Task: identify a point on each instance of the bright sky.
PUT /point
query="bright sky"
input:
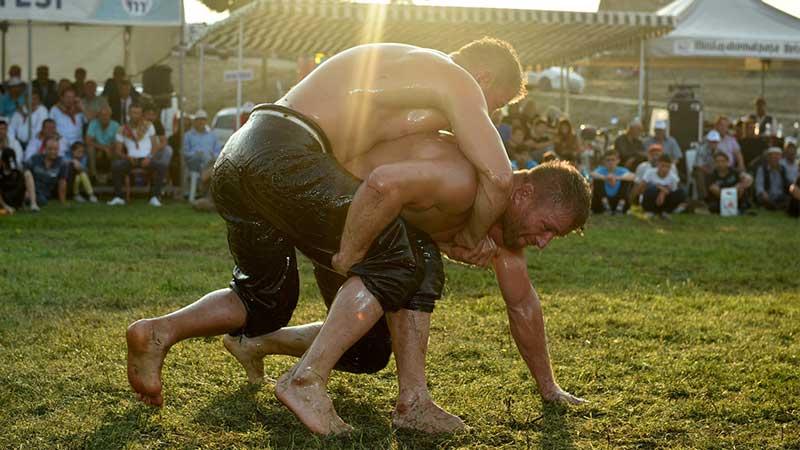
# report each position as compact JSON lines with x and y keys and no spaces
{"x":197,"y":12}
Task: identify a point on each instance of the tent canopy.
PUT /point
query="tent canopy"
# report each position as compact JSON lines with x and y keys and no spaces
{"x":91,"y":34}
{"x":541,"y":37}
{"x":729,"y":28}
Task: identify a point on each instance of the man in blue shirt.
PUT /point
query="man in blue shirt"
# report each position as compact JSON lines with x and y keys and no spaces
{"x":100,"y":139}
{"x":13,"y":98}
{"x":612,"y":184}
{"x":46,"y":175}
{"x":200,"y":145}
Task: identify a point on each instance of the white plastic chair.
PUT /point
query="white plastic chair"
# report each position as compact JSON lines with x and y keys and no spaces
{"x":690,"y":156}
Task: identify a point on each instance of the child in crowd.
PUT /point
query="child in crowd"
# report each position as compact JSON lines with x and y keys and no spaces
{"x":611,"y":186}
{"x":80,"y":178}
{"x":662,"y":195}
{"x":724,"y":176}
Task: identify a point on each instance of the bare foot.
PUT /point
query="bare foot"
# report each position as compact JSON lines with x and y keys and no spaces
{"x":146,"y":352}
{"x":304,"y":394}
{"x":249,"y":355}
{"x":422,"y":414}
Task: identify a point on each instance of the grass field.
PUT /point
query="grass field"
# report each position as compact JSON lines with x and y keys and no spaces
{"x":682,"y":335}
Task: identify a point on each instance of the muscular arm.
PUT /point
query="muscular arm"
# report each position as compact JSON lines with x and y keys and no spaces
{"x":381,"y":198}
{"x":527,"y":323}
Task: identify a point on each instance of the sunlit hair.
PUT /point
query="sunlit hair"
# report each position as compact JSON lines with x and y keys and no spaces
{"x":562,"y":186}
{"x":497,"y":56}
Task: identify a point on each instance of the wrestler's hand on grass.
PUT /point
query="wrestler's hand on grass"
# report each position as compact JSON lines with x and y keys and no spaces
{"x":555,"y":394}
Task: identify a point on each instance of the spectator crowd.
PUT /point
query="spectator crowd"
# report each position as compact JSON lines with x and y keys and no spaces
{"x":69,"y":137}
{"x":749,"y":162}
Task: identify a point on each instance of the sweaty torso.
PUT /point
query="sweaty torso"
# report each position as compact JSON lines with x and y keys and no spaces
{"x":371,"y":94}
{"x":454,"y":190}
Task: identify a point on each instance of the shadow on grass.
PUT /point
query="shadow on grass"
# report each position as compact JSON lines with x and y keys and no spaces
{"x":123,"y":427}
{"x":556,"y":432}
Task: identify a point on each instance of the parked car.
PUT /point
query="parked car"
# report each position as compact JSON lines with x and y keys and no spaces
{"x":550,"y":78}
{"x":224,"y":120}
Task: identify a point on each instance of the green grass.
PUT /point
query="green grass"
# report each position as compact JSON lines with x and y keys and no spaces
{"x":682,"y":335}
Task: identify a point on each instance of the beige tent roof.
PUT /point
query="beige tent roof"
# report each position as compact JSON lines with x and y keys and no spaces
{"x":541,"y":37}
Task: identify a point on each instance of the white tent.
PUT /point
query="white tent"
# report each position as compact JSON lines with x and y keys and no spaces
{"x":728,"y":29}
{"x":94,"y":34}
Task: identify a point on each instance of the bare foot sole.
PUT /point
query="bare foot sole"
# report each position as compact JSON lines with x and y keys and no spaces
{"x":426,"y":416}
{"x":146,"y":353}
{"x":305,"y":396}
{"x":248,"y":355}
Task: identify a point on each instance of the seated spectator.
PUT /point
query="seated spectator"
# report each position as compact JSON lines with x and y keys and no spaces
{"x":101,"y":137}
{"x":13,"y":99}
{"x":762,"y":118}
{"x":80,"y":82}
{"x":21,"y":120}
{"x":46,"y":175}
{"x":47,"y":89}
{"x":728,"y":143}
{"x":134,"y":143}
{"x":36,"y":146}
{"x":12,"y":183}
{"x":662,"y":194}
{"x":161,"y":152}
{"x":90,"y":103}
{"x":503,"y":126}
{"x":772,"y":181}
{"x":704,"y":163}
{"x":611,"y":186}
{"x":200,"y":145}
{"x":667,"y":143}
{"x":540,"y":140}
{"x":630,"y":147}
{"x":77,"y":173}
{"x":567,"y":144}
{"x":8,"y":142}
{"x":789,"y":160}
{"x":518,"y":150}
{"x":66,"y":113}
{"x":654,"y":153}
{"x":722,"y":177}
{"x":121,"y":103}
{"x":794,"y":202}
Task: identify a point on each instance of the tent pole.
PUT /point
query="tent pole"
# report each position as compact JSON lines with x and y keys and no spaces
{"x":181,"y":113}
{"x":561,"y":82}
{"x":4,"y":29}
{"x":200,"y":76}
{"x":30,"y":78}
{"x":763,"y":74}
{"x":642,"y":69}
{"x":239,"y":78}
{"x":566,"y":91}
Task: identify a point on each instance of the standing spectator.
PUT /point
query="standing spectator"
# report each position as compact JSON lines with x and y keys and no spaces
{"x":90,"y":103}
{"x":121,"y":103}
{"x":704,"y":163}
{"x":9,"y":142}
{"x":77,"y":172}
{"x":728,"y":143}
{"x":772,"y":182}
{"x":611,"y":186}
{"x":540,"y":139}
{"x":69,"y":120}
{"x":630,"y":147}
{"x":22,"y":120}
{"x":135,"y":141}
{"x":752,"y":146}
{"x":200,"y":145}
{"x":100,"y":140}
{"x":36,"y":146}
{"x":111,"y":88}
{"x":12,"y":183}
{"x":567,"y":144}
{"x":48,"y":92}
{"x":789,"y":160}
{"x":662,"y":194}
{"x":762,"y":118}
{"x":46,"y":175}
{"x":13,"y":99}
{"x":667,"y":143}
{"x":80,"y":81}
{"x":161,"y":152}
{"x":723,"y":176}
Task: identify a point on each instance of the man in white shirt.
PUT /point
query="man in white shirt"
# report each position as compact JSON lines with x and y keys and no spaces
{"x":22,"y":119}
{"x":69,"y":119}
{"x":134,"y":144}
{"x":662,"y":195}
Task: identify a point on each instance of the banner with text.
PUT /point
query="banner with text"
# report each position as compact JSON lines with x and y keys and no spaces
{"x":738,"y":48}
{"x":108,"y":12}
